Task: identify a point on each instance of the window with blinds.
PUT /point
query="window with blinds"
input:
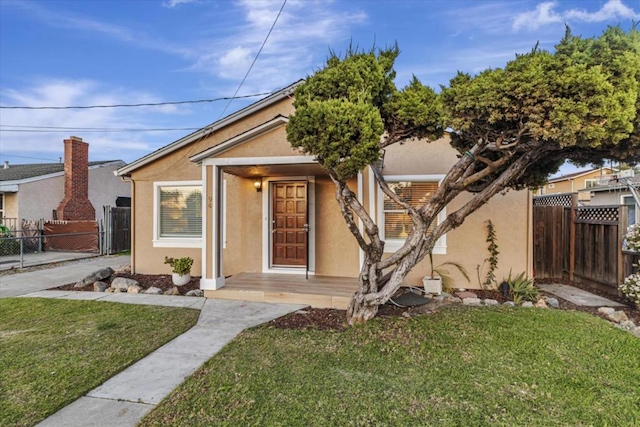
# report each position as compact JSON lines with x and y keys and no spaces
{"x":180,"y":211}
{"x":397,"y":223}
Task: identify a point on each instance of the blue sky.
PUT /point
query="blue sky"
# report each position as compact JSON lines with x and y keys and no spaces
{"x":67,"y":53}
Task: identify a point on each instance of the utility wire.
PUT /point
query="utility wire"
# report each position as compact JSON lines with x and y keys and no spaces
{"x":94,"y":130}
{"x":151,"y":104}
{"x":81,"y":128}
{"x":254,"y":59}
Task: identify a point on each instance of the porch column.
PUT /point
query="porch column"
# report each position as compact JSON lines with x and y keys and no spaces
{"x":212,"y":255}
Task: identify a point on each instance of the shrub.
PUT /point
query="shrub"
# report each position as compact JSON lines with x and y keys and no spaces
{"x":180,"y":266}
{"x":632,"y":238}
{"x":631,"y":287}
{"x":522,"y":288}
{"x":9,"y":247}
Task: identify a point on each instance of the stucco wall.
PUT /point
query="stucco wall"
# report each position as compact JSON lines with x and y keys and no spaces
{"x":38,"y":199}
{"x":11,"y":205}
{"x":105,"y":187}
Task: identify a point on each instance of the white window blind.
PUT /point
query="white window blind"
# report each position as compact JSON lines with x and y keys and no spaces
{"x":180,"y":211}
{"x":397,"y":223}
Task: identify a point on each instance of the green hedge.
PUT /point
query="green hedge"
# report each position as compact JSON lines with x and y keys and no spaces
{"x":9,"y":247}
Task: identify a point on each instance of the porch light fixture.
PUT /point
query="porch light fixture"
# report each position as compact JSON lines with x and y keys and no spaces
{"x":257,"y":184}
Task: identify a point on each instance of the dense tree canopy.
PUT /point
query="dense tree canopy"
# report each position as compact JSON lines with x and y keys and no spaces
{"x":511,"y":126}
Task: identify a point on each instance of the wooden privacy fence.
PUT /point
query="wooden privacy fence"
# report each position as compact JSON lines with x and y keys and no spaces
{"x":583,"y":244}
{"x":117,"y":229}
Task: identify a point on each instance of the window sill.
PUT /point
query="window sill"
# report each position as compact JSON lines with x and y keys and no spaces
{"x":178,"y":243}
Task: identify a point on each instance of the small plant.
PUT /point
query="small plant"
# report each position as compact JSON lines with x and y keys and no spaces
{"x":632,"y":238}
{"x":180,"y":266}
{"x":631,"y":287}
{"x":522,"y":288}
{"x":490,"y":278}
{"x":447,"y":280}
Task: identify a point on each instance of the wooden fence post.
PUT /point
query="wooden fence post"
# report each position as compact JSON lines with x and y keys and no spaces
{"x":572,"y":236}
{"x":623,"y":213}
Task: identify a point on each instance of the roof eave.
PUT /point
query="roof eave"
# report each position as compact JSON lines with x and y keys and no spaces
{"x":207,"y":130}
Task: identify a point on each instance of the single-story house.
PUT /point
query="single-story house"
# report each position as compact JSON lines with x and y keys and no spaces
{"x":261,"y":221}
{"x":37,"y":191}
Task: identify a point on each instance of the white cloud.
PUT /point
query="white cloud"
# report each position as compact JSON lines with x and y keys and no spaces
{"x":174,"y":3}
{"x":546,"y":14}
{"x":612,"y":10}
{"x":103,"y":145}
{"x":543,"y":15}
{"x":304,"y":30}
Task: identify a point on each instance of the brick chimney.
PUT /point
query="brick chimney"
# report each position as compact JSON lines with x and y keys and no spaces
{"x":76,"y":205}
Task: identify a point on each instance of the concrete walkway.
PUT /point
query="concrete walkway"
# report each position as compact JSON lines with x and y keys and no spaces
{"x":124,"y":399}
{"x":32,"y":281}
{"x":578,"y":296}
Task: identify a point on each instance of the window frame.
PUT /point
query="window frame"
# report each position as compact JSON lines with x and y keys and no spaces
{"x":595,"y":182}
{"x":173,"y":242}
{"x":392,"y":245}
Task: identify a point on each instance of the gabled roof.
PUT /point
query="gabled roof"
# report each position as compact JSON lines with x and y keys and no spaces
{"x":574,"y":175}
{"x":277,"y":121}
{"x":34,"y":171}
{"x":211,"y":128}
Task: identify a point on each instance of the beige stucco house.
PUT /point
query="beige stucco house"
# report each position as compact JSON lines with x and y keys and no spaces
{"x":237,"y":198}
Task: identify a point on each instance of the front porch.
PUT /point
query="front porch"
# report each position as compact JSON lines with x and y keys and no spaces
{"x":316,"y":291}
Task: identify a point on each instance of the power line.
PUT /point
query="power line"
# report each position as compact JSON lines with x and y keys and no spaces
{"x":81,"y":128}
{"x":150,"y":104}
{"x":44,"y":129}
{"x":27,"y":157}
{"x":254,"y":59}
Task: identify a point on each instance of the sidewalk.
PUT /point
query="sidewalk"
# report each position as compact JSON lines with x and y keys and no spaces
{"x":127,"y":397}
{"x":32,"y":281}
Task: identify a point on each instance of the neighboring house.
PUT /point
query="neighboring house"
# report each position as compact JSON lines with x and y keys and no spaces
{"x":576,"y":181}
{"x":37,"y":191}
{"x":614,"y":190}
{"x":237,"y":198}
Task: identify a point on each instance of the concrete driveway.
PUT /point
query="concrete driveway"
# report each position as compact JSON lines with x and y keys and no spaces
{"x":17,"y":284}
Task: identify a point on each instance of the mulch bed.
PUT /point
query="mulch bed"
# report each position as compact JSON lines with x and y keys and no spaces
{"x":331,"y":319}
{"x":162,"y":281}
{"x":335,"y":320}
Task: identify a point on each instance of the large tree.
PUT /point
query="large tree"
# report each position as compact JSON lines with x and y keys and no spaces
{"x":511,"y":128}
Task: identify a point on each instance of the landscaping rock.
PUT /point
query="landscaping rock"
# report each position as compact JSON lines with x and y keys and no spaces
{"x":552,"y":302}
{"x":108,"y":290}
{"x":527,"y":304}
{"x":509,"y":304}
{"x":617,"y":316}
{"x":636,"y":331}
{"x":445,"y":294}
{"x":471,"y":301}
{"x":465,"y":294}
{"x":121,"y":284}
{"x":153,"y":291}
{"x":540,"y":304}
{"x":453,"y":300}
{"x":103,"y":273}
{"x":628,"y":325}
{"x":195,"y":293}
{"x":172,"y":291}
{"x":134,"y":289}
{"x":606,"y":310}
{"x":489,"y":301}
{"x":100,"y":286}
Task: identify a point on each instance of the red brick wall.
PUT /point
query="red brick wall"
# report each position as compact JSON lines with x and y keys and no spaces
{"x":76,"y":205}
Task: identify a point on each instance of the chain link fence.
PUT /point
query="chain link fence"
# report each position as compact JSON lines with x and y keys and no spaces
{"x":27,"y":248}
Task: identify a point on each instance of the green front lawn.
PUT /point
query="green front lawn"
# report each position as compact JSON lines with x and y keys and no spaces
{"x":54,"y":351}
{"x":462,"y":366}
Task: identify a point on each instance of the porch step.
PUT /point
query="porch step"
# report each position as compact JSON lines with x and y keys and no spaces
{"x":313,"y":300}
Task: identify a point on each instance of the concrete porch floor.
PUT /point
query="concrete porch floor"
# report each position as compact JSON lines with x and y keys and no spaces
{"x":317,"y":291}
